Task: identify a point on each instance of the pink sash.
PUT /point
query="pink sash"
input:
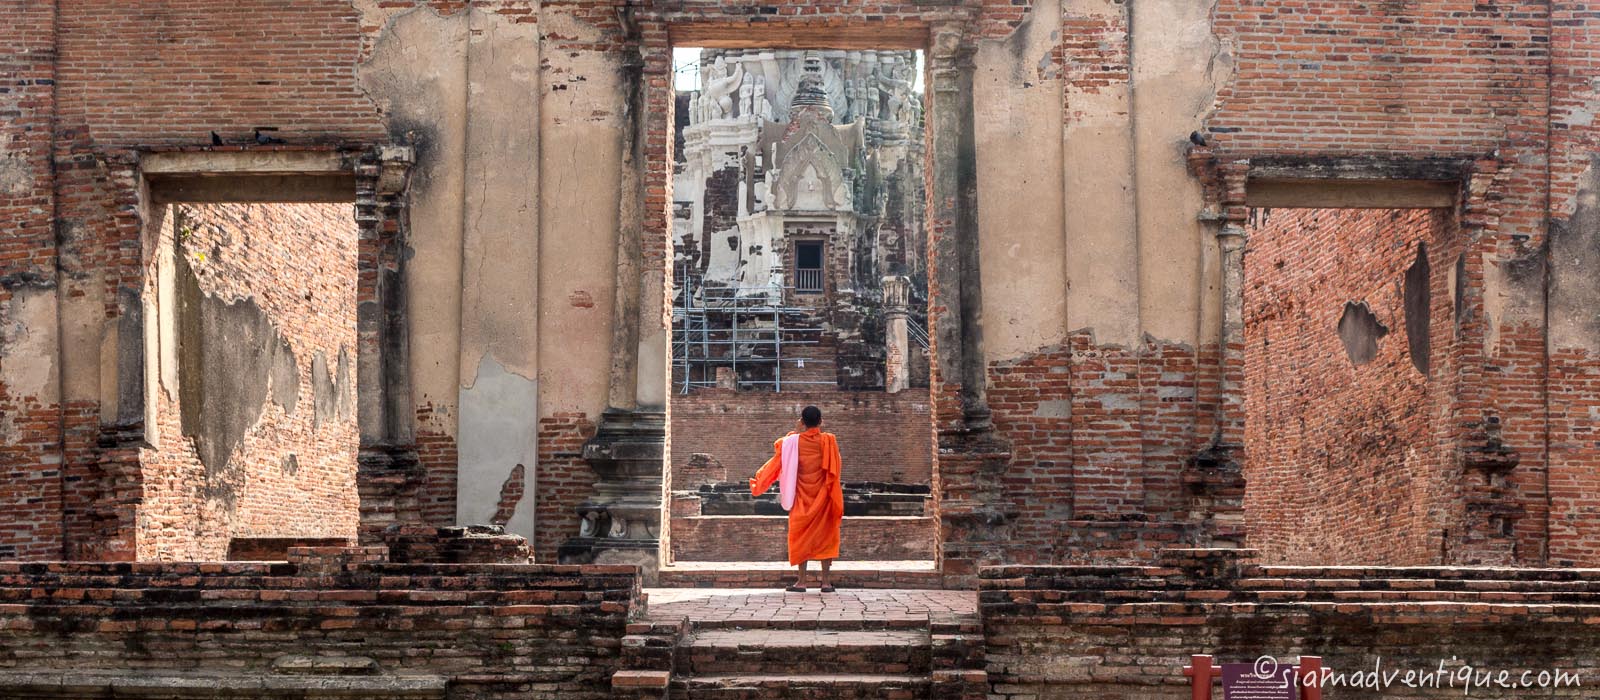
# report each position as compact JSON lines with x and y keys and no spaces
{"x":789,"y":470}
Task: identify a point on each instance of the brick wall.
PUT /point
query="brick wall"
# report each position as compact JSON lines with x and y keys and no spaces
{"x":1574,"y":370}
{"x":463,"y":631}
{"x":1124,"y":633}
{"x":882,"y":437}
{"x":436,"y":450}
{"x":1347,"y":462}
{"x":1100,"y":437}
{"x":30,"y":412}
{"x":564,"y":480}
{"x":1453,"y":77}
{"x":291,"y":65}
{"x":255,"y":431}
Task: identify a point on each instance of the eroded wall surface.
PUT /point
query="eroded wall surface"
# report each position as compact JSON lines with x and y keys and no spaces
{"x":516,"y":116}
{"x":1101,"y":281}
{"x":30,"y":399}
{"x":255,"y":432}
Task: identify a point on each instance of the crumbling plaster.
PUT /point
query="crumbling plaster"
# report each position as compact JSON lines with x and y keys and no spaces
{"x":28,"y":345}
{"x":1062,"y":246}
{"x":510,"y":264}
{"x":414,"y":75}
{"x":1018,"y":95}
{"x":1574,"y":313}
{"x":1178,"y":65}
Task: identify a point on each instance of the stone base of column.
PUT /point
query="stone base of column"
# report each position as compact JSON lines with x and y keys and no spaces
{"x":621,"y":521}
{"x":974,"y":515}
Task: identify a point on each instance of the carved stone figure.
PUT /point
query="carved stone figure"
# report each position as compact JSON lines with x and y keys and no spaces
{"x":720,"y":87}
{"x":893,"y":92}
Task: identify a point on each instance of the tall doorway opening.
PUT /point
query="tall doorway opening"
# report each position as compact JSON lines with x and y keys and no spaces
{"x":799,"y":191}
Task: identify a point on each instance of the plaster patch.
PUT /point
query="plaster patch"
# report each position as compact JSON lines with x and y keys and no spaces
{"x":1054,"y":408}
{"x":16,"y":178}
{"x":324,"y":399}
{"x":1419,"y":309}
{"x":27,"y":343}
{"x":341,"y":384}
{"x":498,"y":429}
{"x":563,"y":26}
{"x":1574,"y":311}
{"x":285,"y":378}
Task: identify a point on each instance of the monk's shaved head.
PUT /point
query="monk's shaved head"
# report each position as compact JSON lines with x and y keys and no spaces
{"x":811,"y":416}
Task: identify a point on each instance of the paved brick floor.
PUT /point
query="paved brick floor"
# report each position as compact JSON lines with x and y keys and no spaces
{"x":766,"y":606}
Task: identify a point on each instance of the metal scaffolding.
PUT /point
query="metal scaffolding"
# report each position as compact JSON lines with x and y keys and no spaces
{"x":715,"y":327}
{"x":919,"y":335}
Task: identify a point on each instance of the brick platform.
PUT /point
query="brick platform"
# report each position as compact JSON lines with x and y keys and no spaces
{"x":709,"y":538}
{"x":728,"y":644}
{"x":325,"y":624}
{"x":883,"y":608}
{"x":1123,"y":633}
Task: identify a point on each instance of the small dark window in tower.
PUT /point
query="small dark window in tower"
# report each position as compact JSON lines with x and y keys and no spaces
{"x":808,"y":267}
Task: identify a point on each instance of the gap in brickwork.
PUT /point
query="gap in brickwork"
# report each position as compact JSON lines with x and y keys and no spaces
{"x":800,"y":278}
{"x":250,"y":366}
{"x":1349,"y":330}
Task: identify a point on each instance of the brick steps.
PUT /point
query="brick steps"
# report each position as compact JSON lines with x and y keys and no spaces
{"x":793,"y":651}
{"x":722,"y":652}
{"x":1414,"y":584}
{"x":1397,"y":590}
{"x":803,"y":686}
{"x":765,"y":537}
{"x":1313,"y":596}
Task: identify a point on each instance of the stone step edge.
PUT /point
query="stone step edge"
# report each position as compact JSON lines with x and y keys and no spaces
{"x":917,"y":638}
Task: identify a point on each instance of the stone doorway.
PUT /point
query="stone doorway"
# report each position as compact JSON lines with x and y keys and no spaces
{"x":623,"y":521}
{"x":244,"y":360}
{"x":800,"y":278}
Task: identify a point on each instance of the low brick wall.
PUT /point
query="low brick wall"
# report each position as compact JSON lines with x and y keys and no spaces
{"x":472,"y":544}
{"x":882,"y":437}
{"x":765,"y":538}
{"x":1114,"y":633}
{"x":345,"y":628}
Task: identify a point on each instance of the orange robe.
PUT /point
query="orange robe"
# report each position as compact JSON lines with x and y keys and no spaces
{"x":819,"y":495}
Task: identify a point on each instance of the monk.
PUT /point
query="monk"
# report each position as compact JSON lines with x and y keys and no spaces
{"x":811,"y":491}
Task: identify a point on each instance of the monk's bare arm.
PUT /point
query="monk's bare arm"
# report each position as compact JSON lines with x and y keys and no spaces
{"x":768,"y":473}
